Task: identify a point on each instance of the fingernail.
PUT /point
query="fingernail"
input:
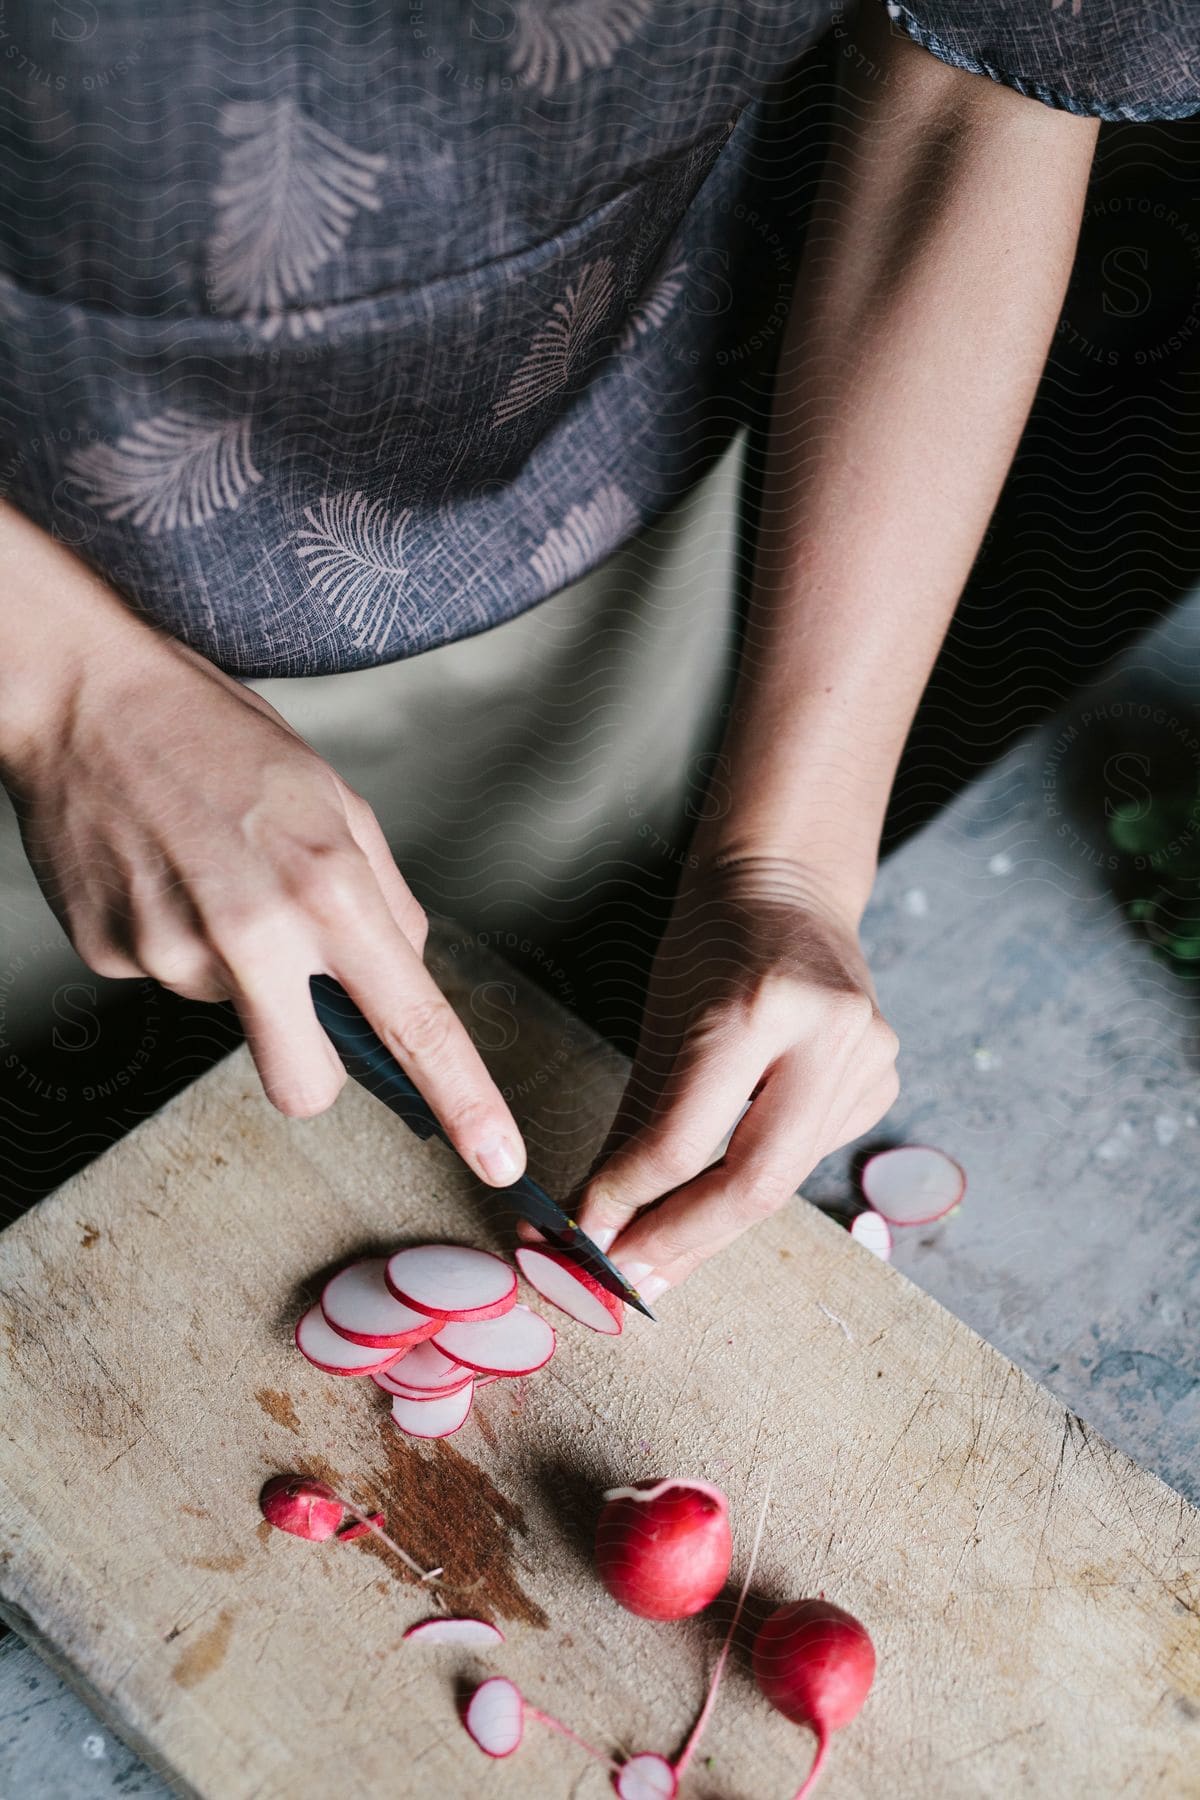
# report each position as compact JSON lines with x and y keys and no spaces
{"x":603,"y":1236}
{"x":640,"y":1275}
{"x":499,"y":1161}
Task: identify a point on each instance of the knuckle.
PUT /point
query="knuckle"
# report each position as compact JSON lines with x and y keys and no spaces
{"x":423,"y":1032}
{"x":674,"y":1159}
{"x":247,"y":936}
{"x":306,"y":1099}
{"x":762,"y":1190}
{"x":329,"y":884}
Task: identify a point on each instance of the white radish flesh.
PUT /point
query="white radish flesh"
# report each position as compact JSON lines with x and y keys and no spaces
{"x":436,"y":1418}
{"x":495,"y":1717}
{"x":872,"y":1231}
{"x":449,"y":1281}
{"x":565,"y":1284}
{"x":319,"y":1342}
{"x":475,"y":1632}
{"x":360,"y":1306}
{"x":646,"y":1777}
{"x":516,"y":1344}
{"x":427,"y":1368}
{"x":913,"y":1184}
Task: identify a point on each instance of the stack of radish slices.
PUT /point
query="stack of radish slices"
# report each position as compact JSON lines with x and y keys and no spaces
{"x":435,"y":1322}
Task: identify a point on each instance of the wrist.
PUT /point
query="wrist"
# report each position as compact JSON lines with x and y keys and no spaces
{"x":805,"y":873}
{"x":61,"y":627}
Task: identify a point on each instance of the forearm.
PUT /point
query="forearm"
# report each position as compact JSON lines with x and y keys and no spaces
{"x":57,"y":619}
{"x":938,"y":256}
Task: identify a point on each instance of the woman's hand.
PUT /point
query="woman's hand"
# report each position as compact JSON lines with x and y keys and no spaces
{"x":759,"y":991}
{"x":180,"y":829}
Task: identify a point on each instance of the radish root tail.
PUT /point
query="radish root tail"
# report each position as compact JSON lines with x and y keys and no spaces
{"x":811,"y":1779}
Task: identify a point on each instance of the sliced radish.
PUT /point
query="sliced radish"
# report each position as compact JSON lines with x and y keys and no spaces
{"x":360,"y":1306}
{"x":873,"y":1232}
{"x":647,"y":1776}
{"x":436,"y":1418}
{"x":428,"y":1369}
{"x":516,"y":1344}
{"x":448,"y":1281}
{"x":913,"y":1184}
{"x":455,"y":1631}
{"x":495,"y":1717}
{"x":320,"y":1343}
{"x":562,"y":1281}
{"x":423,"y":1396}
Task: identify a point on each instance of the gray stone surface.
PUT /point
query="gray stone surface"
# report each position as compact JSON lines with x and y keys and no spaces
{"x":51,"y":1747}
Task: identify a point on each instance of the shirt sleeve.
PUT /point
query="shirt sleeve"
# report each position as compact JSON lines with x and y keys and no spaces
{"x":1107,"y":59}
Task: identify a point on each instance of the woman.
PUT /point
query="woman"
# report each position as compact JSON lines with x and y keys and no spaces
{"x":334,"y":339}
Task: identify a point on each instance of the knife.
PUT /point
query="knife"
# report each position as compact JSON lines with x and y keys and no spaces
{"x":374,"y":1067}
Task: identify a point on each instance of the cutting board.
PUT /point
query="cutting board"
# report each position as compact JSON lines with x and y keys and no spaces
{"x":1032,"y":1594}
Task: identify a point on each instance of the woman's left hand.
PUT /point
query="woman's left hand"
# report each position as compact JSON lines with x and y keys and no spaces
{"x":759,"y":992}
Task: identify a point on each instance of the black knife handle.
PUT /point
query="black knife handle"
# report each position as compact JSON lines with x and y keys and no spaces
{"x":367,"y":1058}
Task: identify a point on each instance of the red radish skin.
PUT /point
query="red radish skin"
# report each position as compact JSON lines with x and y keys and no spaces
{"x":320,"y":1345}
{"x":516,"y":1344}
{"x":912,"y":1184}
{"x":663,"y":1548}
{"x":647,"y":1776}
{"x":495,"y":1717}
{"x":432,"y":1416}
{"x":452,"y":1282}
{"x":815,"y":1664}
{"x":872,"y":1231}
{"x":361,"y":1528}
{"x":562,"y":1281}
{"x":359,"y":1306}
{"x":398,"y":1391}
{"x":302,"y":1507}
{"x":476,"y":1633}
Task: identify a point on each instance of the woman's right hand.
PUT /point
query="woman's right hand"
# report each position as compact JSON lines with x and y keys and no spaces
{"x":179,"y":828}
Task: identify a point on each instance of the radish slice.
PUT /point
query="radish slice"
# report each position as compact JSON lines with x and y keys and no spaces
{"x":423,"y":1396}
{"x":562,"y":1281}
{"x":320,"y":1343}
{"x":913,"y":1184}
{"x":427,"y":1369}
{"x":455,"y":1631}
{"x":360,"y":1307}
{"x":516,"y":1344}
{"x":447,"y":1281}
{"x":872,"y":1231}
{"x":434,"y":1418}
{"x":647,"y":1776}
{"x":495,"y":1717}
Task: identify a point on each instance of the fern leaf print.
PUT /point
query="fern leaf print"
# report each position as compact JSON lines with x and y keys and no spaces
{"x":288,"y":195}
{"x":352,"y":553}
{"x":168,"y":473}
{"x":654,"y":311}
{"x":557,"y":41}
{"x":585,"y":535}
{"x":557,"y":344}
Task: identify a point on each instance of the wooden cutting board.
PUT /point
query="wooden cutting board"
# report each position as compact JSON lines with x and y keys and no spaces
{"x":1033,"y":1595}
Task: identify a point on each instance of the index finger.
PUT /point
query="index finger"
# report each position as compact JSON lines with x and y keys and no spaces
{"x":385,"y":977}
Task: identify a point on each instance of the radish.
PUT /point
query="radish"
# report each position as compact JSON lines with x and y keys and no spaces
{"x":663,"y":1547}
{"x":873,"y":1232}
{"x":335,"y":1355}
{"x":913,"y":1184}
{"x":425,"y":1368}
{"x":475,"y":1632}
{"x":360,"y":1307}
{"x":495,"y":1717}
{"x":305,"y":1508}
{"x":398,"y":1391}
{"x":815,"y":1664}
{"x":310,"y":1509}
{"x":436,"y":1416}
{"x":562,"y":1281}
{"x":448,"y":1281}
{"x":515,"y":1344}
{"x":647,"y":1776}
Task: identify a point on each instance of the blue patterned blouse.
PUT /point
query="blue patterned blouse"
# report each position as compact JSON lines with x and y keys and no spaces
{"x":331,"y":332}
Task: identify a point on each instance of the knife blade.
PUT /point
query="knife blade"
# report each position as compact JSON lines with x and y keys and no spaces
{"x":369,"y":1061}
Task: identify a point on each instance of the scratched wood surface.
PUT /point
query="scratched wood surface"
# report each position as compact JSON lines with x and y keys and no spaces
{"x":1033,"y":1595}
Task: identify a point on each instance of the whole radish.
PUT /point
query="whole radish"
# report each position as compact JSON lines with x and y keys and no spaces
{"x":663,"y":1547}
{"x":815,"y":1664}
{"x":306,"y":1508}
